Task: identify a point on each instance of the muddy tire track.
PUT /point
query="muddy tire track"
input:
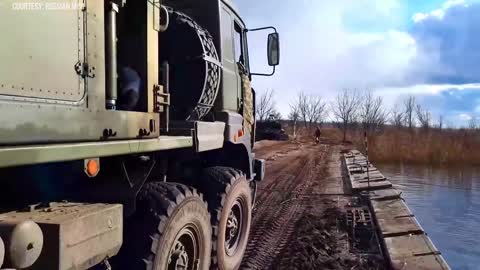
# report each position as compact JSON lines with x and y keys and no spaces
{"x":276,"y":213}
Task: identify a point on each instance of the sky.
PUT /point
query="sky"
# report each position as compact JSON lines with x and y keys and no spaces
{"x":426,"y":48}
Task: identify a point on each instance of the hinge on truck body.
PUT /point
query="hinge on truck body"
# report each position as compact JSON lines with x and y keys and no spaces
{"x":84,"y":70}
{"x":161,"y":100}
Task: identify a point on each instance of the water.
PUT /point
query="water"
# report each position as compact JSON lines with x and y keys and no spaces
{"x":446,"y":202}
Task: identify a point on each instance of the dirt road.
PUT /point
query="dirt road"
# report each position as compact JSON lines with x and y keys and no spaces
{"x":297,"y":220}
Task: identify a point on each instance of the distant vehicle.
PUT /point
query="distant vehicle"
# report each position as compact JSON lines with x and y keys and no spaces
{"x":141,"y":113}
{"x":270,"y":130}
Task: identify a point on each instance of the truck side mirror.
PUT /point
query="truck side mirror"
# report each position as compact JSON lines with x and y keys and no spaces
{"x":273,"y":49}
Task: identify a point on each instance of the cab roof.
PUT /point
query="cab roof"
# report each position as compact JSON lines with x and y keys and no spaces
{"x":234,"y":8}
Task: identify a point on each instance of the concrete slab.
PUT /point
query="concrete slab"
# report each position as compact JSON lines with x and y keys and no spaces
{"x":409,"y":246}
{"x":357,"y":161}
{"x":371,"y":180}
{"x":390,"y":227}
{"x":373,"y":173}
{"x":385,"y":194}
{"x":391,"y":209}
{"x":414,"y":252}
{"x":359,"y":186}
{"x":354,"y":169}
{"x":361,"y":166}
{"x":372,"y":177}
{"x":354,"y":156}
{"x":352,"y":153}
{"x":363,"y":172}
{"x":428,"y":262}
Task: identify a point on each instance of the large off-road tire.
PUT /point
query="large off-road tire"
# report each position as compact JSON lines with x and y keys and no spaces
{"x":230,"y":203}
{"x":171,"y":230}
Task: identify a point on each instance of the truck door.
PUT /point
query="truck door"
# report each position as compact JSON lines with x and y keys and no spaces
{"x":42,"y":51}
{"x":231,"y":78}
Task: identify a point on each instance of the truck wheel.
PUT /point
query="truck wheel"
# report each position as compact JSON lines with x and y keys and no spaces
{"x":230,"y":201}
{"x":171,"y":230}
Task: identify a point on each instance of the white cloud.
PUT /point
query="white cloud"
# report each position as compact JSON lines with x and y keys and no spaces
{"x":464,"y":117}
{"x":320,"y":55}
{"x":438,"y":13}
{"x":430,"y":89}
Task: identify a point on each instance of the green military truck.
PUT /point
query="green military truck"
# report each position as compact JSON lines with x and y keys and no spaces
{"x":126,"y":134}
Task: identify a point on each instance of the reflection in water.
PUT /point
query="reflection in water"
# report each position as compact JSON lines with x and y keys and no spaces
{"x":447,"y":204}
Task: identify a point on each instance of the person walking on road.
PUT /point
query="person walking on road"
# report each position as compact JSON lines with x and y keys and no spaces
{"x":317,"y":135}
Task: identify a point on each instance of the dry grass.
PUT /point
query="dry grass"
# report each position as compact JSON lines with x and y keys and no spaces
{"x":433,"y":147}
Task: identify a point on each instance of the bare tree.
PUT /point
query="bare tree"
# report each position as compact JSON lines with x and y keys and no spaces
{"x":371,"y":112}
{"x":440,"y":121}
{"x":409,"y":105}
{"x":344,"y":109}
{"x":265,"y":105}
{"x":302,"y":104}
{"x":316,"y":110}
{"x":423,"y":116}
{"x":311,"y":109}
{"x":397,"y":116}
{"x":472,"y":123}
{"x":294,"y":116}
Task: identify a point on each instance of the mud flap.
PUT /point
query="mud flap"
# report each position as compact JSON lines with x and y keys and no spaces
{"x":208,"y":136}
{"x":259,"y":169}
